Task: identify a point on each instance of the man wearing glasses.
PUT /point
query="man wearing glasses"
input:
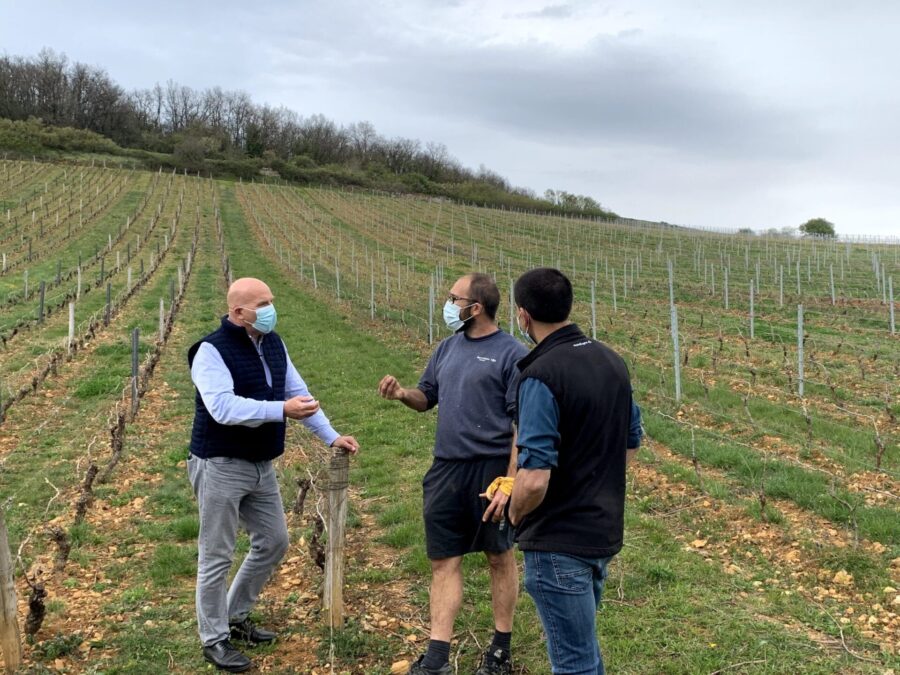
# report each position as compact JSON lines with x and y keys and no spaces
{"x":472,"y":378}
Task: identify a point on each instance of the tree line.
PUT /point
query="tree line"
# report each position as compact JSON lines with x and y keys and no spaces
{"x":201,"y":127}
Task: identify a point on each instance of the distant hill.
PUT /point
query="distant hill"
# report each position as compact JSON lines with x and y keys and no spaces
{"x":49,"y":105}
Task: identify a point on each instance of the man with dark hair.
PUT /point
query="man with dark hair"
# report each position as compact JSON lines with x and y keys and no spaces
{"x":577,"y":428}
{"x":247,"y":388}
{"x":484,"y":291}
{"x":471,"y":377}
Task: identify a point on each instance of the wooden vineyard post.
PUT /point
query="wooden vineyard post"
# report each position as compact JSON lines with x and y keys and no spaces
{"x":593,"y":314}
{"x":338,"y":480}
{"x":9,"y":627}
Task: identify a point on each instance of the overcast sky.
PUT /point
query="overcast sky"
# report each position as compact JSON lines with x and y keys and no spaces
{"x":712,"y":113}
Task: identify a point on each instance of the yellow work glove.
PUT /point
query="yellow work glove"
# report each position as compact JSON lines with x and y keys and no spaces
{"x":502,"y":483}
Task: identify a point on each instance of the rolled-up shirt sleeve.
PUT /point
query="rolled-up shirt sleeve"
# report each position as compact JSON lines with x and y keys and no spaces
{"x":538,"y":428}
{"x":635,"y":432}
{"x":216,"y":386}
{"x":295,"y":386}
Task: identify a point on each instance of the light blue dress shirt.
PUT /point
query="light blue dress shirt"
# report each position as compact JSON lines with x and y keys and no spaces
{"x":216,"y":386}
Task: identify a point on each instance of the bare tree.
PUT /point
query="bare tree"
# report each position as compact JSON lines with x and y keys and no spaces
{"x":363,"y":139}
{"x":399,"y":154}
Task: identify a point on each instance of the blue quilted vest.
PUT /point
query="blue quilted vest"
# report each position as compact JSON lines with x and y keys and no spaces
{"x":255,"y":444}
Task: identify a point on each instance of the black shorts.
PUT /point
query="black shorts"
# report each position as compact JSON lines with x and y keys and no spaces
{"x":453,"y":509}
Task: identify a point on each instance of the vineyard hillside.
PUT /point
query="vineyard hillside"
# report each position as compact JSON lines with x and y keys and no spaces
{"x":763,"y":512}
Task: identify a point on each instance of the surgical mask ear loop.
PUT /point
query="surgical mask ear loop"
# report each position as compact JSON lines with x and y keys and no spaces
{"x":528,"y":339}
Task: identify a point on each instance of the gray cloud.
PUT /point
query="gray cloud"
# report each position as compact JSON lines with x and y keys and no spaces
{"x":549,"y":12}
{"x":613,"y":92}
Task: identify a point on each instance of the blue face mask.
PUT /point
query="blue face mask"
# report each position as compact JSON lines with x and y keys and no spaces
{"x":265,"y":319}
{"x":451,"y":315}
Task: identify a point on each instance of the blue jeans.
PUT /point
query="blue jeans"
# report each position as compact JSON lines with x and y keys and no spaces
{"x":566,"y":590}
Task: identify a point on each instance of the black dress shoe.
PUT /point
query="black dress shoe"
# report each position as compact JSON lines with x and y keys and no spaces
{"x":224,"y":655}
{"x":247,"y":631}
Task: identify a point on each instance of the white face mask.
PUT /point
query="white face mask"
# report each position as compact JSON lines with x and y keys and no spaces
{"x":451,"y":315}
{"x":528,"y":339}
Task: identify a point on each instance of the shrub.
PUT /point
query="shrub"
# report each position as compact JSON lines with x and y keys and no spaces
{"x":33,"y":136}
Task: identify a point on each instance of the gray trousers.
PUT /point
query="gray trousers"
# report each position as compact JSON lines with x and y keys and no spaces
{"x":232,"y":492}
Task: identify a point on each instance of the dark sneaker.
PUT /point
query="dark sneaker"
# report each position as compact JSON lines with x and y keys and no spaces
{"x":247,"y":631}
{"x":225,"y":656}
{"x":418,"y":669}
{"x":495,"y":661}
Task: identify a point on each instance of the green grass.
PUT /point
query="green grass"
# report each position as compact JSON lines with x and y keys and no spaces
{"x":170,"y":560}
{"x":676,"y":605}
{"x":808,"y":489}
{"x":352,"y":643}
{"x":666,"y":610}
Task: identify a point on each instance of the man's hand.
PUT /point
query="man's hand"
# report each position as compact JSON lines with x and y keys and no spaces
{"x":390,"y":388}
{"x":347,"y":443}
{"x":497,"y":493}
{"x":495,"y":509}
{"x":301,"y":407}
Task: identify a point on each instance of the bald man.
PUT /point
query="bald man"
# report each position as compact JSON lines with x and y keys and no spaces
{"x":247,"y":388}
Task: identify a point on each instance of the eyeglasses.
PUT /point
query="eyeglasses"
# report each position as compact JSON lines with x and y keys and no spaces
{"x":455,"y":298}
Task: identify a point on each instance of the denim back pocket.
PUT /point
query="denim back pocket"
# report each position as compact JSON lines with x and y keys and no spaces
{"x":572,"y":574}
